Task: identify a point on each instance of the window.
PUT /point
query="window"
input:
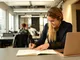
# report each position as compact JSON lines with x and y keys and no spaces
{"x":11,"y":22}
{"x":2,"y":20}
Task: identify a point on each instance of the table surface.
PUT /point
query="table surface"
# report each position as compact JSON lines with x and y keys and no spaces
{"x":6,"y":38}
{"x":10,"y":54}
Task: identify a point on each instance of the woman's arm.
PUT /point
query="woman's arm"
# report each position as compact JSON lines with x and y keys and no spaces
{"x":43,"y":36}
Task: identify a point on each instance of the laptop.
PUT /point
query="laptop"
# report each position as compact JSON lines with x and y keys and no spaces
{"x":72,"y":44}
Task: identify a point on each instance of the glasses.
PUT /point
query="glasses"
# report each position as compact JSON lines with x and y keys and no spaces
{"x":52,"y":20}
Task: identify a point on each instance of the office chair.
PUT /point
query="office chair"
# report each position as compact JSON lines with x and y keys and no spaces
{"x":22,"y":40}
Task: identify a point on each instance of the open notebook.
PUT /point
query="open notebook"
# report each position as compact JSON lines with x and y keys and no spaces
{"x":34,"y":52}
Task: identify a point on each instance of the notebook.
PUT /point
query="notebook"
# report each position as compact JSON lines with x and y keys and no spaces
{"x":32,"y":52}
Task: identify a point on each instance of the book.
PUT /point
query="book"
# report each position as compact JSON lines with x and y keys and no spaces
{"x":32,"y":52}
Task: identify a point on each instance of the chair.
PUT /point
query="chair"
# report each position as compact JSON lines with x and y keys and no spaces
{"x":22,"y":40}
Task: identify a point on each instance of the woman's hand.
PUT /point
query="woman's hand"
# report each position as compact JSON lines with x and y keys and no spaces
{"x":31,"y":45}
{"x":43,"y":47}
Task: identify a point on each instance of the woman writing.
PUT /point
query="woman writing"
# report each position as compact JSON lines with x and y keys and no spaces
{"x":54,"y":32}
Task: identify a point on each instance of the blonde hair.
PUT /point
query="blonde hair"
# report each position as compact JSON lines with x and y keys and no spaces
{"x":53,"y":12}
{"x":51,"y":32}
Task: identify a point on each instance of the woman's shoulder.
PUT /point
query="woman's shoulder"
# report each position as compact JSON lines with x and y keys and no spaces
{"x":66,"y":23}
{"x":46,"y":24}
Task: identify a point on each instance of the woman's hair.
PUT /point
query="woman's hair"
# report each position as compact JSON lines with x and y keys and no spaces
{"x":51,"y":32}
{"x":53,"y":12}
{"x":23,"y":25}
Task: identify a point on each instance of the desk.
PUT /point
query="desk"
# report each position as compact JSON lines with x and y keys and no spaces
{"x":6,"y":41}
{"x":6,"y":38}
{"x":10,"y":54}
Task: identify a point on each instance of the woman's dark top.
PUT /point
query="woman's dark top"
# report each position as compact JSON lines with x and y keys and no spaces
{"x":60,"y":36}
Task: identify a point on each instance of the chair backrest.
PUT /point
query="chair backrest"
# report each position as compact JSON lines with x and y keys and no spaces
{"x":21,"y":40}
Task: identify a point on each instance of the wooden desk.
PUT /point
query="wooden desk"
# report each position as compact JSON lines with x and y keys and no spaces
{"x":10,"y":54}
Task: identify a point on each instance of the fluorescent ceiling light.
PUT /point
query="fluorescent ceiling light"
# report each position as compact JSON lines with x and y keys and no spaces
{"x":30,"y":11}
{"x":31,"y":16}
{"x":25,"y":0}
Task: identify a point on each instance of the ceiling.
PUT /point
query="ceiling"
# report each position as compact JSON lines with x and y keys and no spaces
{"x":32,"y":6}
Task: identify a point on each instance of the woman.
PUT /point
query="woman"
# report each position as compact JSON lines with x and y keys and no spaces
{"x":54,"y":32}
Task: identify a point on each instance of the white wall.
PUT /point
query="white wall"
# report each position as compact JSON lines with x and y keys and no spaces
{"x":74,"y":8}
{"x":68,"y":13}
